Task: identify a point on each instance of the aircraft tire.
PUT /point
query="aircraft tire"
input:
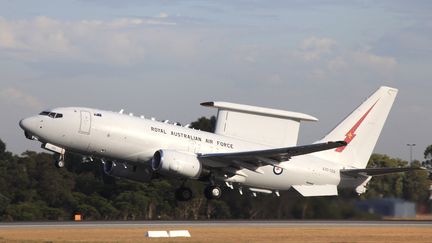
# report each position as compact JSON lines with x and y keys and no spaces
{"x":59,"y":163}
{"x":183,"y":194}
{"x":213,"y":192}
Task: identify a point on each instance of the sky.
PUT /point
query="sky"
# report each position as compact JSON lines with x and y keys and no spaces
{"x":162,"y":58}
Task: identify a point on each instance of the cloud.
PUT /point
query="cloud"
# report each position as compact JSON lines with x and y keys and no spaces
{"x":374,"y":61}
{"x":313,"y":48}
{"x":337,"y":64}
{"x":361,"y":60}
{"x":412,"y":42}
{"x":326,"y":58}
{"x":7,"y":39}
{"x":118,"y":41}
{"x":19,"y":98}
{"x":156,"y":42}
{"x":163,"y":15}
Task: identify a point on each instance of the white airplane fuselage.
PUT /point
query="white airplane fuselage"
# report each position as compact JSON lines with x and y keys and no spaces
{"x":130,"y":139}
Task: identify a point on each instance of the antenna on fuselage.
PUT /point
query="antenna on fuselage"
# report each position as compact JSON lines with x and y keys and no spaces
{"x":121,"y":111}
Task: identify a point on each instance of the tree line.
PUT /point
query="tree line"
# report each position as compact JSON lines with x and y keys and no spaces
{"x":32,"y":188}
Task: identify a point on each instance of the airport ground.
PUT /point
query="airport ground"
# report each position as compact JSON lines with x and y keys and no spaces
{"x":237,"y":231}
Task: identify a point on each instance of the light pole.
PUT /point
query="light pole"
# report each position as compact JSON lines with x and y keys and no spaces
{"x":411,"y":145}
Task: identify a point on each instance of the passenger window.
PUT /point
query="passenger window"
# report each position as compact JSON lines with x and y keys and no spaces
{"x":52,"y":114}
{"x":97,"y":114}
{"x":58,"y":115}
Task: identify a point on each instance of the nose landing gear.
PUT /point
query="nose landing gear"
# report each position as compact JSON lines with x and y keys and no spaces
{"x":60,"y":161}
{"x":60,"y":154}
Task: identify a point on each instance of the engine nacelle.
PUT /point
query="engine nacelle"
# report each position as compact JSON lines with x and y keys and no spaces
{"x":177,"y":163}
{"x":141,"y":173}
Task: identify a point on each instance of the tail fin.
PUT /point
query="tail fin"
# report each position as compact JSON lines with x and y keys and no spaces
{"x":360,"y":130}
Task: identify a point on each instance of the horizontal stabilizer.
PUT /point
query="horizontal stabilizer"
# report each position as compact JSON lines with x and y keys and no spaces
{"x":317,"y":190}
{"x":378,"y":171}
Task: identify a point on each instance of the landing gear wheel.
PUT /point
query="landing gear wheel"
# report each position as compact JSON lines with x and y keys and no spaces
{"x":183,"y":194}
{"x":59,"y":163}
{"x":213,"y":192}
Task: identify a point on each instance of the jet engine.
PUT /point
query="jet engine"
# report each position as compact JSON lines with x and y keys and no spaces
{"x":177,"y":163}
{"x":141,"y":173}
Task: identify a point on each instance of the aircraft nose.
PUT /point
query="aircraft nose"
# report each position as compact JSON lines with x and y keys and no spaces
{"x":24,"y":124}
{"x":28,"y":125}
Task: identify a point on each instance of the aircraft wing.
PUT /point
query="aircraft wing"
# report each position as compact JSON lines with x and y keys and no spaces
{"x":378,"y":171}
{"x":253,"y":159}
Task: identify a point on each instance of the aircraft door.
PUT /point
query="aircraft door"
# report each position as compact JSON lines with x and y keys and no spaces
{"x":85,"y":123}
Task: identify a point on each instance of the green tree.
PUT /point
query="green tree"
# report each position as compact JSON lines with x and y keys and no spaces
{"x":416,"y":185}
{"x":2,"y":147}
{"x":390,"y":185}
{"x":103,"y":206}
{"x":428,"y":160}
{"x":53,"y":185}
{"x":132,"y":204}
{"x":4,"y":155}
{"x":412,"y":186}
{"x":24,"y":211}
{"x":217,"y":209}
{"x":205,"y":124}
{"x":428,"y":152}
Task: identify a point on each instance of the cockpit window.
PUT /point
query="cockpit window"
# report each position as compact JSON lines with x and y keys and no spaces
{"x":51,"y":114}
{"x":44,"y":113}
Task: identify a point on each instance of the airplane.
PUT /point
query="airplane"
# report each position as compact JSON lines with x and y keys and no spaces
{"x":253,"y":149}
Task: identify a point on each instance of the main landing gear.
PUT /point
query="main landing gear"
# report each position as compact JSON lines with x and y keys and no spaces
{"x":183,"y":194}
{"x":210,"y":192}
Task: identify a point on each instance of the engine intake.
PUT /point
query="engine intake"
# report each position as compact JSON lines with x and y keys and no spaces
{"x":178,"y":163}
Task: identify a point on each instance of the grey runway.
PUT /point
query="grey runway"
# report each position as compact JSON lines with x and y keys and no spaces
{"x":224,"y":223}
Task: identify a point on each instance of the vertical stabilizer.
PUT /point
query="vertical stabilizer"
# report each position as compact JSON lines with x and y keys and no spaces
{"x":360,"y":130}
